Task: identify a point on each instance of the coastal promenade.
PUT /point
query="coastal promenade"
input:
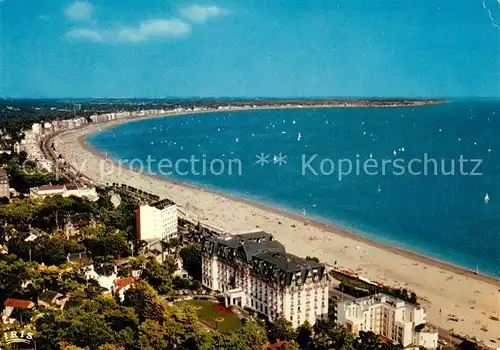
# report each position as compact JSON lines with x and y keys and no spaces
{"x":454,"y":298}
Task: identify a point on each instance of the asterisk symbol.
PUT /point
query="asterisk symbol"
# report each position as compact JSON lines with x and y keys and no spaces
{"x":280,"y":159}
{"x":262,"y":159}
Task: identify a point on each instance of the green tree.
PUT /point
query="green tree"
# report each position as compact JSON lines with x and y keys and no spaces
{"x":328,"y":335}
{"x":11,"y":272}
{"x":152,"y":336}
{"x":90,"y":330}
{"x":191,"y":260}
{"x":158,"y":275}
{"x":146,"y":302}
{"x":252,"y":335}
{"x":290,"y":345}
{"x":281,"y":329}
{"x":367,"y":341}
{"x":109,"y":244}
{"x":304,"y":335}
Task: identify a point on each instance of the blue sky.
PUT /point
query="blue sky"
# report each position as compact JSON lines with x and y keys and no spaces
{"x":292,"y":48}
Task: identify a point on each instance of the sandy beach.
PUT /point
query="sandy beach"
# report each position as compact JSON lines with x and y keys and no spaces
{"x":449,"y":290}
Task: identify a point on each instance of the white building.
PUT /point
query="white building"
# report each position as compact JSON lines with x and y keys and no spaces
{"x":253,"y":270}
{"x":157,"y":221}
{"x":47,"y":128}
{"x":4,"y":184}
{"x":104,"y":275}
{"x":36,"y":128}
{"x":76,"y":188}
{"x":395,"y":319}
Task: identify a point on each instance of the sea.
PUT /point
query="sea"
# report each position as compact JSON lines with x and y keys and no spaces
{"x":425,"y":179}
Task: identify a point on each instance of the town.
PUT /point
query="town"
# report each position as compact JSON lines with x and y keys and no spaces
{"x":108,"y":266}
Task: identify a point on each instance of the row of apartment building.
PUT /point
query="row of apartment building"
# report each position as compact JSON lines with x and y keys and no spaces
{"x":31,"y":141}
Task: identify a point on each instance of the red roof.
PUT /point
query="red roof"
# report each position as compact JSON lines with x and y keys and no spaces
{"x":50,"y":187}
{"x":123,"y":282}
{"x":71,"y":186}
{"x":19,"y":303}
{"x":276,"y":345}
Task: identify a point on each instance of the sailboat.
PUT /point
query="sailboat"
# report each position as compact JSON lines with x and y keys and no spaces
{"x":486,"y":198}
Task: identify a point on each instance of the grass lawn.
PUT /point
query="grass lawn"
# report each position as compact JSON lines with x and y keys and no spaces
{"x":207,"y":314}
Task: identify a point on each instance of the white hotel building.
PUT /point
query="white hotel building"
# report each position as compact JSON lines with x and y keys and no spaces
{"x":254,"y":271}
{"x":157,"y":221}
{"x":395,"y":319}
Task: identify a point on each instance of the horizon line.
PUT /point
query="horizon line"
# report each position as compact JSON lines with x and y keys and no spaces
{"x":249,"y":98}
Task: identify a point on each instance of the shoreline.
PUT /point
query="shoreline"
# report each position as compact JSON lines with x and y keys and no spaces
{"x":297,"y":217}
{"x":331,"y":231}
{"x":314,"y":223}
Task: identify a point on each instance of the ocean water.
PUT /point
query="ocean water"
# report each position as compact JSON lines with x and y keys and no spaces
{"x":441,"y":212}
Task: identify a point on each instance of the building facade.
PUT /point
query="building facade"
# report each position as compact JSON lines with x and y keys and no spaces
{"x":395,"y":319}
{"x":76,"y":188}
{"x":157,"y":221}
{"x":254,"y":271}
{"x":4,"y":184}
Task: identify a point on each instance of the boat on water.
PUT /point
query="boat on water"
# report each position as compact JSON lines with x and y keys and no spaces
{"x":486,"y":198}
{"x":299,"y":137}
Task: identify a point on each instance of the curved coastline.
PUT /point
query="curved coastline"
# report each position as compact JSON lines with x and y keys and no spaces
{"x":332,"y":228}
{"x":306,"y":244}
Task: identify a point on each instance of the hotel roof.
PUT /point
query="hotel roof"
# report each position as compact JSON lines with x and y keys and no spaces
{"x":287,"y":262}
{"x":162,"y":204}
{"x":267,"y":257}
{"x":381,"y":298}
